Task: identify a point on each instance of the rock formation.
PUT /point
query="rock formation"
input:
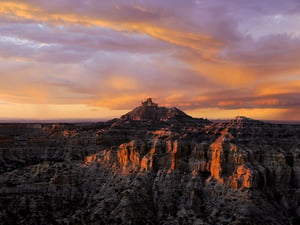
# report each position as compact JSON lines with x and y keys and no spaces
{"x":154,"y":165}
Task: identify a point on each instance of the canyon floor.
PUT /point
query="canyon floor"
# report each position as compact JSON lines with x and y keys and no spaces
{"x":154,"y":165}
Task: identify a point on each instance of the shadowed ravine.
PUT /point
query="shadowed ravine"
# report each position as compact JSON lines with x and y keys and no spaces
{"x":154,"y":165}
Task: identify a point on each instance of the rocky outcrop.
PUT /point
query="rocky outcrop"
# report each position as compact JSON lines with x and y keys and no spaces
{"x":150,"y":111}
{"x":152,"y":166}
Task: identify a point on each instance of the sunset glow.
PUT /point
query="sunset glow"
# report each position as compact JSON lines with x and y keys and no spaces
{"x":65,"y":59}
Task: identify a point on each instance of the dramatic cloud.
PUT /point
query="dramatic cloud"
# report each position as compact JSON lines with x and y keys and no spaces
{"x":218,"y":58}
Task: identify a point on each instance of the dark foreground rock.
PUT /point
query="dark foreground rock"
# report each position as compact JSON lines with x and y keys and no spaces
{"x":152,"y":166}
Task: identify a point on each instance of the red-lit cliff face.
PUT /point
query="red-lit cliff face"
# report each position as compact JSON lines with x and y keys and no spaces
{"x":148,"y":167}
{"x":240,"y":154}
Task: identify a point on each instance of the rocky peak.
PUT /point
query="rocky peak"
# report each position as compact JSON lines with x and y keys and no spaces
{"x":150,"y":111}
{"x":243,"y":118}
{"x":242,"y":121}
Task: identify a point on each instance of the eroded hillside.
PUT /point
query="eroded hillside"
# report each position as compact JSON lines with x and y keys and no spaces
{"x":154,"y":165}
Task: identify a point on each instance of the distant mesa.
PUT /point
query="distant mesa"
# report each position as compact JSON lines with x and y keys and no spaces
{"x":150,"y":111}
{"x":245,"y":120}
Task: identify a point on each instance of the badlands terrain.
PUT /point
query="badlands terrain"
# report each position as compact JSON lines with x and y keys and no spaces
{"x":154,"y":165}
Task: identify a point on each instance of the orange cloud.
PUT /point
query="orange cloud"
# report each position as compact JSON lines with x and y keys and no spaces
{"x":118,"y":102}
{"x":18,"y":9}
{"x":184,"y":39}
{"x":230,"y":103}
{"x":267,"y":102}
{"x":217,"y":70}
{"x":122,"y":83}
{"x":283,"y":86}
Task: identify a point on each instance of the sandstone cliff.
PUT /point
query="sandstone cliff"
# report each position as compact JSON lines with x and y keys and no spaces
{"x":154,"y":165}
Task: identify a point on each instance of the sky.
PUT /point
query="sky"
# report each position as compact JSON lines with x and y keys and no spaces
{"x":64,"y":59}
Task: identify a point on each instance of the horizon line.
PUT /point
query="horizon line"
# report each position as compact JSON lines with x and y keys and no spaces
{"x":95,"y":120}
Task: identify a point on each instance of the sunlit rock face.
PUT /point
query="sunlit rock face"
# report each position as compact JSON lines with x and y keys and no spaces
{"x":154,"y":165}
